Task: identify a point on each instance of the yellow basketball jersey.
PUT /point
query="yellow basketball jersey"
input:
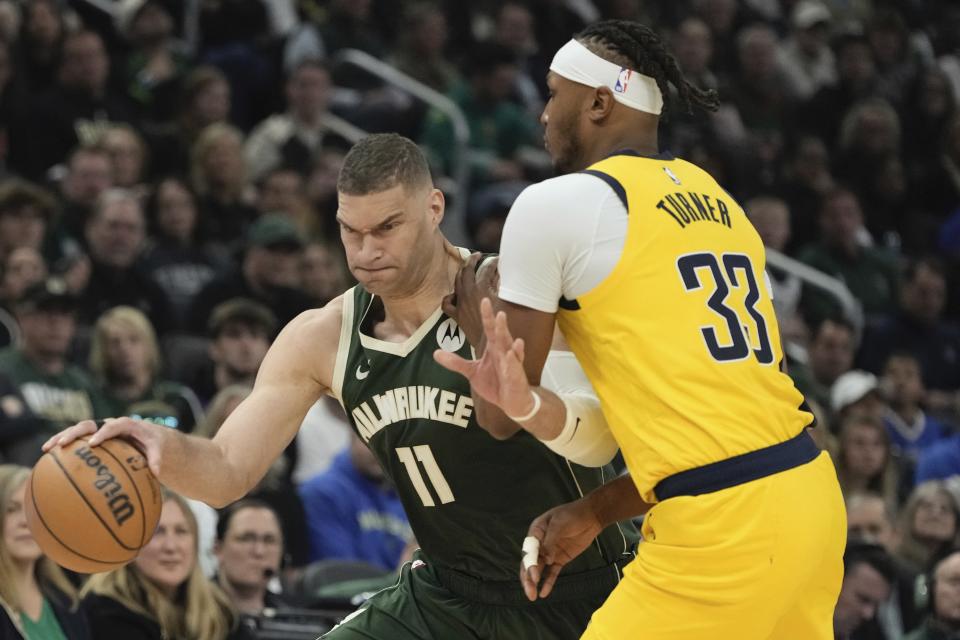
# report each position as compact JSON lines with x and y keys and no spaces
{"x":680,"y":341}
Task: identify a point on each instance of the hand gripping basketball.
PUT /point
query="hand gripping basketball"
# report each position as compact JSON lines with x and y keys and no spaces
{"x":145,"y":436}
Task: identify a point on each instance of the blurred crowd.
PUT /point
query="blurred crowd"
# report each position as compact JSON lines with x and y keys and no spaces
{"x":167,"y":203}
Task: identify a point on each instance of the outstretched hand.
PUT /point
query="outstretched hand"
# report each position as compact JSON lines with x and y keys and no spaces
{"x":498,"y":376}
{"x":147,"y":437}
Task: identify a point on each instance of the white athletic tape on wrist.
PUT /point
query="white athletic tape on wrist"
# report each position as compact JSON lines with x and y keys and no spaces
{"x":531,"y":552}
{"x":537,"y":403}
{"x":630,"y":88}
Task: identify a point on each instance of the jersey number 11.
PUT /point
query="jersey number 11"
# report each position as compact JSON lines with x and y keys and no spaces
{"x":409,"y":456}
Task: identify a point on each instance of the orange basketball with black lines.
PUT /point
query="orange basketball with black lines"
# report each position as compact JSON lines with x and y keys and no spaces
{"x":91,"y":509}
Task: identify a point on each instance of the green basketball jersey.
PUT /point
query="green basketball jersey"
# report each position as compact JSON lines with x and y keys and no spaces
{"x":470,"y":498}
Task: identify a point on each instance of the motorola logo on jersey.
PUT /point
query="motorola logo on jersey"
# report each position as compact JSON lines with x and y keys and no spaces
{"x":450,"y":336}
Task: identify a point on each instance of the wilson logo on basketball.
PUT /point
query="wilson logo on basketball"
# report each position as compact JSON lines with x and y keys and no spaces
{"x":106,"y":483}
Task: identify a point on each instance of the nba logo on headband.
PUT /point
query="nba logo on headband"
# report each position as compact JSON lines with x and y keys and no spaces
{"x":622,"y":80}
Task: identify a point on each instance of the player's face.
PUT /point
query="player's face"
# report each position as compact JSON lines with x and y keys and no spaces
{"x":16,"y":536}
{"x":251,"y":548}
{"x":168,"y":558}
{"x":864,"y":589}
{"x":387,"y":237}
{"x":561,"y":120}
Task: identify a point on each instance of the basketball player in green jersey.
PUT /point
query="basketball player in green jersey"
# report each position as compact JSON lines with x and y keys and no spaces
{"x":469,"y":497}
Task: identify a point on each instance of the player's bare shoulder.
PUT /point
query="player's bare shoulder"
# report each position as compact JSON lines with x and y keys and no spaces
{"x":309,"y":342}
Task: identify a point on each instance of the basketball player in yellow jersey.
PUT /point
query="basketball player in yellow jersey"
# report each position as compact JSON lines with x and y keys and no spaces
{"x":657,"y":279}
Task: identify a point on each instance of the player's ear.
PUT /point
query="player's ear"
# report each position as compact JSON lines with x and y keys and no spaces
{"x":436,"y":203}
{"x":601,"y":104}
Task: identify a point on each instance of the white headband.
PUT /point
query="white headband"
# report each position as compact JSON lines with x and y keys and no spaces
{"x":630,"y":88}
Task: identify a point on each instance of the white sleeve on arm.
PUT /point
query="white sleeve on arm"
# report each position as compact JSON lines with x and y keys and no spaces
{"x":562,"y":237}
{"x":585,"y":437}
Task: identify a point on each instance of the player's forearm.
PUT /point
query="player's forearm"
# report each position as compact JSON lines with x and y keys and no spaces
{"x":546,"y":424}
{"x":616,"y":501}
{"x":199,"y":468}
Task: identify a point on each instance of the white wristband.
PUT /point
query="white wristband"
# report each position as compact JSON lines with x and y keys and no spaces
{"x":537,"y":403}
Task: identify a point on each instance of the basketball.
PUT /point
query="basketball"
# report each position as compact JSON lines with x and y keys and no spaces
{"x":91,"y":509}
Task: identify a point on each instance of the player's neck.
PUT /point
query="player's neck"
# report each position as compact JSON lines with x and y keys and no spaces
{"x":641,"y":139}
{"x":405,"y":313}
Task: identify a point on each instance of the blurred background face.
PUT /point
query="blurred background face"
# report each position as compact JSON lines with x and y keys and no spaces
{"x":17,"y":538}
{"x":22,"y":227}
{"x":934,"y":93}
{"x":811,"y":161}
{"x":212,"y":103}
{"x":831,"y":353}
{"x":308,"y":91}
{"x":117,"y":233}
{"x":90,"y":174}
{"x":855,"y":65}
{"x":176,"y":210}
{"x":250,"y":552}
{"x":47,"y":333}
{"x":925,"y":295}
{"x":865,"y":450}
{"x":771,"y":219}
{"x":223,"y":162}
{"x":693,"y":46}
{"x":934,"y":520}
{"x":946,"y":590}
{"x":152,"y":25}
{"x":840,"y":219}
{"x":42,"y":23}
{"x":23,"y":267}
{"x":168,"y":558}
{"x":276,"y":266}
{"x":321,"y":273}
{"x":126,"y":156}
{"x":515,"y":28}
{"x":902,"y":381}
{"x":240,"y":348}
{"x":384,"y":235}
{"x":84,"y":64}
{"x":867,"y":520}
{"x":864,"y":589}
{"x":430,"y":35}
{"x":758,"y":53}
{"x":282,"y":192}
{"x":128,"y":351}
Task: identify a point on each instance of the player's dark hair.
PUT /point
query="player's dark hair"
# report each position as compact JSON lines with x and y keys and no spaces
{"x":380,"y":162}
{"x":638,"y":47}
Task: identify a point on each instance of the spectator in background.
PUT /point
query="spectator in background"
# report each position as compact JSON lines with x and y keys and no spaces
{"x":939,"y":461}
{"x":863,"y":460}
{"x":240,"y":332}
{"x":89,"y":174}
{"x":128,"y":155}
{"x":943,"y":620}
{"x":856,"y":80}
{"x":322,"y":190}
{"x":869,"y":575}
{"x":911,"y":429}
{"x":805,"y":180}
{"x":39,"y":45}
{"x":283,"y":191}
{"x":73,"y":112}
{"x":156,"y":65}
{"x":898,"y":62}
{"x":771,"y":218}
{"x":294,"y":138}
{"x":36,"y":598}
{"x":175,"y":259}
{"x":353,"y":512}
{"x":325,"y":432}
{"x":918,"y":327}
{"x":857,"y":393}
{"x":831,"y":355}
{"x":498,"y":127}
{"x":759,"y":89}
{"x":55,"y":390}
{"x":806,"y":58}
{"x":870,"y":273}
{"x":869,"y":519}
{"x":22,"y":268}
{"x":487,"y":212}
{"x":162,"y":593}
{"x":219,"y":177}
{"x":249,"y":550}
{"x":514,"y":30}
{"x":116,"y":238}
{"x":25,"y":214}
{"x":421,"y":49}
{"x":322,"y":273}
{"x":928,"y":526}
{"x":125,"y":361}
{"x":268,"y":274}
